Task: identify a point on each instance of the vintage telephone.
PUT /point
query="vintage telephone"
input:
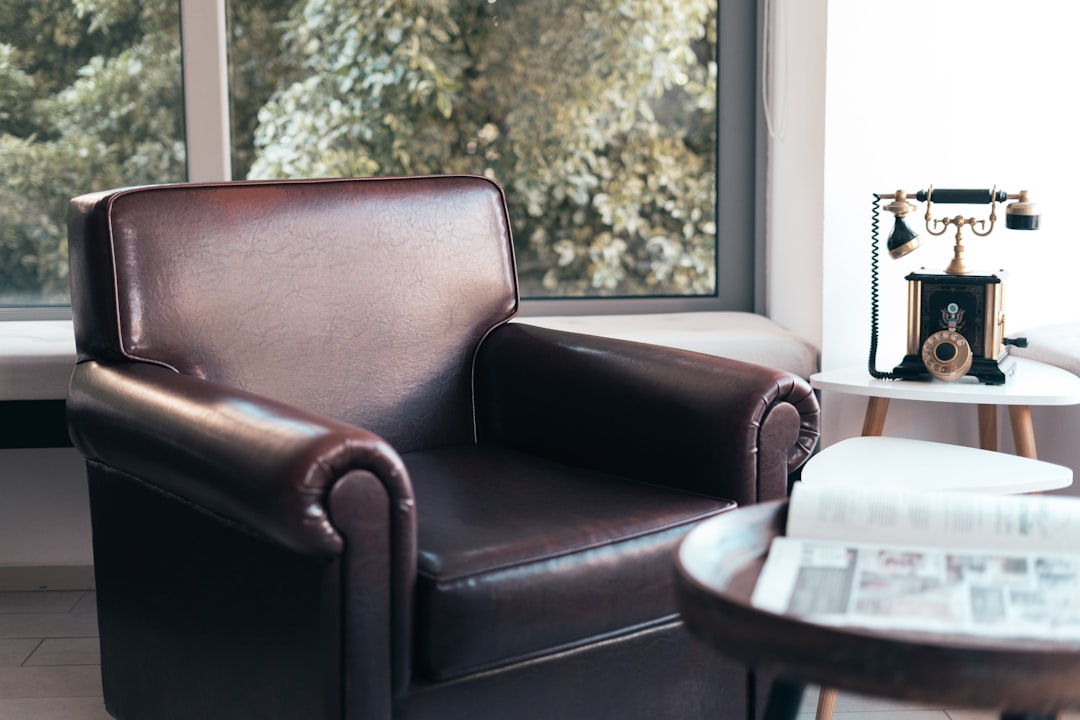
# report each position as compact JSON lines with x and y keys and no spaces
{"x":956,"y":319}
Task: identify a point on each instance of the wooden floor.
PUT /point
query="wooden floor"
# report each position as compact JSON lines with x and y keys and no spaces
{"x":49,"y":667}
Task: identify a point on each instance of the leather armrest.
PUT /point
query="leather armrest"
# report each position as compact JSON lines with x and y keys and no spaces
{"x":260,"y":463}
{"x":656,"y":414}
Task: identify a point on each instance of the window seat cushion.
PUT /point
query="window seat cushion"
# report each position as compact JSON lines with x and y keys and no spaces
{"x":1057,"y":345}
{"x":36,"y":358}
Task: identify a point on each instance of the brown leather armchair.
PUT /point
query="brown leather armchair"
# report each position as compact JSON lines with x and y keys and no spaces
{"x":328,"y":479}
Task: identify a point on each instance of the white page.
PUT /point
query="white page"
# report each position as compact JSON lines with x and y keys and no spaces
{"x":1018,"y":523}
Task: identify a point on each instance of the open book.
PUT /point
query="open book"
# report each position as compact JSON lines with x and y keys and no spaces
{"x":1004,"y":566}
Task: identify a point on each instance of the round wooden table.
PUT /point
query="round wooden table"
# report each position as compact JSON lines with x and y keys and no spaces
{"x":717,"y":565}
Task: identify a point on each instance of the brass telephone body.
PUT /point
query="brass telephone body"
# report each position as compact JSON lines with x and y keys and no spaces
{"x":956,"y":327}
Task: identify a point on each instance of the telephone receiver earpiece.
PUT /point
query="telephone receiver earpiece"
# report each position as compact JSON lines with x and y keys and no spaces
{"x":1022,"y":214}
{"x":902,"y":240}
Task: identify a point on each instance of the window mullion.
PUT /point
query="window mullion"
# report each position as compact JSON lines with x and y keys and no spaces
{"x":206,"y":90}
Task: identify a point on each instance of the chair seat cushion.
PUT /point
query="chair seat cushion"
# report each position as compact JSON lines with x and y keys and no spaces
{"x":521,"y":557}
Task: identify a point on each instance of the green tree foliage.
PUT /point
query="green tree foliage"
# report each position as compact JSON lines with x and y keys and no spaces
{"x":597,"y":117}
{"x":91,"y":100}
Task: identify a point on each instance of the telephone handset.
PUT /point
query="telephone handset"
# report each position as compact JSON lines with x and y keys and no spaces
{"x":956,"y":319}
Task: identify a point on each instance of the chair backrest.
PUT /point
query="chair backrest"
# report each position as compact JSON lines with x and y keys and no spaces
{"x":364,"y":299}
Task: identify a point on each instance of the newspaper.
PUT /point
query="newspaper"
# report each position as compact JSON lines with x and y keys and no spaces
{"x":994,"y":566}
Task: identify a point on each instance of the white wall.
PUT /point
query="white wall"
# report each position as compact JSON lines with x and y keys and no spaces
{"x":44,"y":505}
{"x":44,"y":520}
{"x":795,"y":70}
{"x":965,"y":93}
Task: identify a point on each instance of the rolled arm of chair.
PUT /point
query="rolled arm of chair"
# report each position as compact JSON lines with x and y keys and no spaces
{"x":656,"y":414}
{"x":262,"y":464}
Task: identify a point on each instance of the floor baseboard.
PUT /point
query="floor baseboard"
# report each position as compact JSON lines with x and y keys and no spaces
{"x":15,"y":578}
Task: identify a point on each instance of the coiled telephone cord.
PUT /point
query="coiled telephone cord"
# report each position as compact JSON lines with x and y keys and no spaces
{"x":874,"y":252}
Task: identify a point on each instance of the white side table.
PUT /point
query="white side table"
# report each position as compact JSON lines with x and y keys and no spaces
{"x":1033,"y":383}
{"x":923,"y":465}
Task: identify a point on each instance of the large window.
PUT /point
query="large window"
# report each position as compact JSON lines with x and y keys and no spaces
{"x":599,"y":118}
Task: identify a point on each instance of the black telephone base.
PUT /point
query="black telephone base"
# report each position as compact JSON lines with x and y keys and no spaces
{"x":986,"y":371}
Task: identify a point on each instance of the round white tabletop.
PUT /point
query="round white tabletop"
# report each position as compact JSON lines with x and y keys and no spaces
{"x":1033,"y":383}
{"x":923,"y":465}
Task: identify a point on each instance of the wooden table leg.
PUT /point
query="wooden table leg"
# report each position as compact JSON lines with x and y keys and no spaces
{"x":988,"y":427}
{"x":873,"y":425}
{"x":874,"y":422}
{"x":1023,"y":430}
{"x":826,"y":703}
